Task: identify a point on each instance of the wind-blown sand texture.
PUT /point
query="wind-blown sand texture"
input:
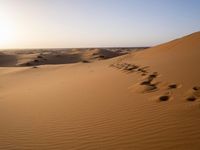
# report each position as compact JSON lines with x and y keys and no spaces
{"x":141,"y":100}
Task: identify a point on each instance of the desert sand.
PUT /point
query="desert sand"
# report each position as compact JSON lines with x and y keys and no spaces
{"x":102,"y":98}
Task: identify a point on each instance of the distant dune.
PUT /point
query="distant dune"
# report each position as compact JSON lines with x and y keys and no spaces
{"x":12,"y":58}
{"x":102,"y":98}
{"x":7,"y":60}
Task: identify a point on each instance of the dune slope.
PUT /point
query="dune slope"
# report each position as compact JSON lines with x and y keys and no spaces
{"x":109,"y":104}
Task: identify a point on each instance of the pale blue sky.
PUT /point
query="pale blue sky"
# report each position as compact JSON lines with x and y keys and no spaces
{"x":95,"y":23}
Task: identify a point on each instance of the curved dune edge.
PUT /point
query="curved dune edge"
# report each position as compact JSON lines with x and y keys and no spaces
{"x":143,"y":100}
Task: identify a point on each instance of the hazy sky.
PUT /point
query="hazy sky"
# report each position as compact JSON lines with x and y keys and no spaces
{"x":95,"y":23}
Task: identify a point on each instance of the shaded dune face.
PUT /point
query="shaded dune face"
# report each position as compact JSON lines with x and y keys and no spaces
{"x":7,"y":60}
{"x":102,"y":53}
{"x":53,"y":59}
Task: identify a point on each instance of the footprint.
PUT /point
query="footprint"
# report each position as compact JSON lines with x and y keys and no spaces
{"x":153,"y":75}
{"x":172,"y":86}
{"x":150,"y":88}
{"x":118,"y":66}
{"x":122,"y":66}
{"x":130,"y":67}
{"x":191,"y":98}
{"x":196,"y":88}
{"x":142,"y":69}
{"x":193,"y":94}
{"x":149,"y":79}
{"x":143,"y":74}
{"x":165,"y":97}
{"x":145,"y":88}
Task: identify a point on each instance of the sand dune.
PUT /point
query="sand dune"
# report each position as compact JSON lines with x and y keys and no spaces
{"x":177,"y":60}
{"x":101,"y":54}
{"x":142,"y":100}
{"x":59,"y":56}
{"x":7,"y":60}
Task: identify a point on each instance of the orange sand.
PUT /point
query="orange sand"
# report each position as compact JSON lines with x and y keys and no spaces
{"x":104,"y":104}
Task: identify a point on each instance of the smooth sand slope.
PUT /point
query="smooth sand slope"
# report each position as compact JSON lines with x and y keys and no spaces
{"x":143,"y":100}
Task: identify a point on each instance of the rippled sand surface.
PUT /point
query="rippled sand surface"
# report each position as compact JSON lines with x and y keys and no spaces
{"x":96,"y":106}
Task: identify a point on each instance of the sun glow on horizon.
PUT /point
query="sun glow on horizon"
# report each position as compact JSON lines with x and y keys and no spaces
{"x":7,"y":29}
{"x":88,"y":23}
{"x":6,"y":34}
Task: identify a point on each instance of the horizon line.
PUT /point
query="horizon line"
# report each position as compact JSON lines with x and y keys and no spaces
{"x":76,"y":47}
